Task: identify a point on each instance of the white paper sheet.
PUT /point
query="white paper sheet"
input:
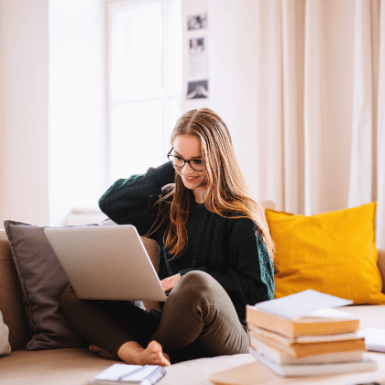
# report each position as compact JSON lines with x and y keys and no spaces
{"x":301,"y":304}
{"x":374,"y":339}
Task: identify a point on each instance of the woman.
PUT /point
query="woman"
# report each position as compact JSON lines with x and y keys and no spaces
{"x":215,"y":253}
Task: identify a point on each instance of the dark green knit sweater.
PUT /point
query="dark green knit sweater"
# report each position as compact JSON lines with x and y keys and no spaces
{"x":227,"y":249}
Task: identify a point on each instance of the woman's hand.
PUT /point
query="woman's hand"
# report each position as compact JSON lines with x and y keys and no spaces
{"x":170,"y":282}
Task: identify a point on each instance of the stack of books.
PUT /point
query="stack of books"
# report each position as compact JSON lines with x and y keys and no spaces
{"x":299,"y":336}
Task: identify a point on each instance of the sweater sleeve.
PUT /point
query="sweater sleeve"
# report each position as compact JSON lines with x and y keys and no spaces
{"x":131,"y":201}
{"x":250,"y":278}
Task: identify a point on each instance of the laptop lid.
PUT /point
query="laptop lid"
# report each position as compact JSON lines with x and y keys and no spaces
{"x":106,"y":262}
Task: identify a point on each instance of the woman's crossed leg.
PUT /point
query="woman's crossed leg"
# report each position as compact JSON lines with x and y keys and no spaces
{"x":198,"y":320}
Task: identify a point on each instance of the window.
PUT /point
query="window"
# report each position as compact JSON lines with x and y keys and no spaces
{"x":144,"y":83}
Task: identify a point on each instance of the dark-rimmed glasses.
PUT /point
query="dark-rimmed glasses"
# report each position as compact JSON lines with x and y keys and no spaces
{"x":178,"y":162}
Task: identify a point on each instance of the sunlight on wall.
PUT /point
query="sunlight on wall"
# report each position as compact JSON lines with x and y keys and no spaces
{"x":76,"y":106}
{"x":23,"y":111}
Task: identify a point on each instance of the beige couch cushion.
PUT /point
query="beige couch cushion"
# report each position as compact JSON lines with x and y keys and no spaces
{"x":58,"y":366}
{"x":78,"y":366}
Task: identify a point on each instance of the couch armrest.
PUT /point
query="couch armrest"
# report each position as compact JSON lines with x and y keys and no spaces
{"x":381,"y":266}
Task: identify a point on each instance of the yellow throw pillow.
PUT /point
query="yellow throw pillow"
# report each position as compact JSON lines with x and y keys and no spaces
{"x":334,"y":253}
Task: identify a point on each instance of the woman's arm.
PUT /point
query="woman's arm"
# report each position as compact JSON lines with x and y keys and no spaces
{"x":251,"y":277}
{"x":131,"y":201}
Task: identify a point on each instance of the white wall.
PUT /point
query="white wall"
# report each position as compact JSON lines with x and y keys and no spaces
{"x":52,"y":108}
{"x":23,"y":111}
{"x":77,"y":117}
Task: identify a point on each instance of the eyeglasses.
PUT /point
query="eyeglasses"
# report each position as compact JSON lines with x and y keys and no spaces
{"x":178,"y":162}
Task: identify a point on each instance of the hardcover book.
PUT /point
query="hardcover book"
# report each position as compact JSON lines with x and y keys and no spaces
{"x":366,"y":364}
{"x":282,"y":358}
{"x":308,"y":313}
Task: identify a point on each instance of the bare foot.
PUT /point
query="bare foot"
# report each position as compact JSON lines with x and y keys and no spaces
{"x":132,"y":353}
{"x":101,"y":352}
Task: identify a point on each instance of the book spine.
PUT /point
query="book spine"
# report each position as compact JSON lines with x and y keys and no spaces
{"x":269,"y":322}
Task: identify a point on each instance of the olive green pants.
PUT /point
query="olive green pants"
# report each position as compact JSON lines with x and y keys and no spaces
{"x":198,"y":320}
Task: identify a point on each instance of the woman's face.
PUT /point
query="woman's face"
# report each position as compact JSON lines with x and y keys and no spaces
{"x":189,"y":147}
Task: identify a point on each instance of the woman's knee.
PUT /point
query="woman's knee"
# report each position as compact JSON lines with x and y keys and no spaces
{"x":199,"y":283}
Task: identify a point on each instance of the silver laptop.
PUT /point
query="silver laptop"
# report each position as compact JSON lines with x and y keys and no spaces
{"x":106,"y":262}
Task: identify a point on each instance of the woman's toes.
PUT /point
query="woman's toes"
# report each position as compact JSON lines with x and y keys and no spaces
{"x":156,"y":354}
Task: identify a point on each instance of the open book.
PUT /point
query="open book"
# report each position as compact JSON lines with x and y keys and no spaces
{"x":301,"y":304}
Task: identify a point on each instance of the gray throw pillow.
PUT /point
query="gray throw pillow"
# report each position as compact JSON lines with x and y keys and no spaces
{"x":42,"y":280}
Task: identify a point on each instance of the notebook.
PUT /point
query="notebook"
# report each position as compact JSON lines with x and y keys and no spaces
{"x":129,"y":374}
{"x":374,"y":339}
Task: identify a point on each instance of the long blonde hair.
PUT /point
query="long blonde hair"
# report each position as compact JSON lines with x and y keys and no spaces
{"x":227,"y":194}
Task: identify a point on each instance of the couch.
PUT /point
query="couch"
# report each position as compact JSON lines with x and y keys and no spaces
{"x":77,"y":366}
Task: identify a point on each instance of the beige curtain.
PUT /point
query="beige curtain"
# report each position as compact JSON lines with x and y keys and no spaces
{"x":301,"y":85}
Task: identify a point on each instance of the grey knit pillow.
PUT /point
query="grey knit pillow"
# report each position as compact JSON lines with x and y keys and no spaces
{"x":42,"y":280}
